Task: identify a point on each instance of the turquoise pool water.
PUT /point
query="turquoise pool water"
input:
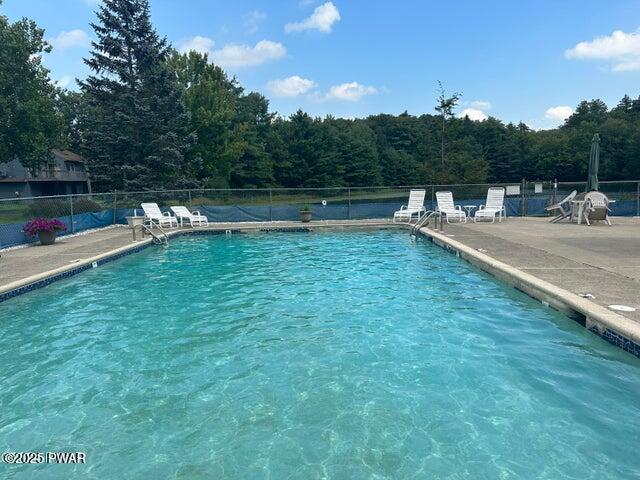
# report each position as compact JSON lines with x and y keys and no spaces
{"x":340,"y":355}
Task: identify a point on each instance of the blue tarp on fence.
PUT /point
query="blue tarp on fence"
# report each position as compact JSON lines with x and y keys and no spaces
{"x":12,"y":234}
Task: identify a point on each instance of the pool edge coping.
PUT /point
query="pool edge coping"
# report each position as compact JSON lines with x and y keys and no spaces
{"x":597,"y":319}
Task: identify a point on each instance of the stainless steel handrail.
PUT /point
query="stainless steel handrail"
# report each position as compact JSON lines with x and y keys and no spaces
{"x":162,"y":239}
{"x":425,"y":219}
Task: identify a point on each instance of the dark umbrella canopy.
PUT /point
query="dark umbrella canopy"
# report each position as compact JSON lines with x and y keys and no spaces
{"x":594,"y":164}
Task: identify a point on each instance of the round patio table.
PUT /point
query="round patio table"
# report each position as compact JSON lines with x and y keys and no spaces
{"x":469,"y":209}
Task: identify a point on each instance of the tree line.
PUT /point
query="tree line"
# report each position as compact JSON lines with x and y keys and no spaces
{"x":148,"y":117}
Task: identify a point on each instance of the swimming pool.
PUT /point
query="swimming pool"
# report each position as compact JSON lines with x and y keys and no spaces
{"x":309,"y":355}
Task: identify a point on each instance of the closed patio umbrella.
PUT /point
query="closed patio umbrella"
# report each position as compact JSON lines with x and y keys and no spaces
{"x":594,"y":164}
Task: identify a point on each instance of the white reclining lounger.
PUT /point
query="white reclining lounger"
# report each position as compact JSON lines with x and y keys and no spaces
{"x":154,"y":216}
{"x":448,"y":208}
{"x":415,"y":205}
{"x":194,"y":218}
{"x":493,"y":207}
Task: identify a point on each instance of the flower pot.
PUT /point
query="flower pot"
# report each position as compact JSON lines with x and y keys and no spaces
{"x":305,"y":216}
{"x":47,"y":238}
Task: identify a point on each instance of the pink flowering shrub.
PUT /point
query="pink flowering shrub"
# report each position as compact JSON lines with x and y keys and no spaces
{"x":32,"y":227}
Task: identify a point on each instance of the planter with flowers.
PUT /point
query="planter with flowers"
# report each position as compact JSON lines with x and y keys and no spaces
{"x":45,"y":229}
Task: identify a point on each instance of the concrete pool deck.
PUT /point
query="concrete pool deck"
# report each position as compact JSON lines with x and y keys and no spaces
{"x":556,"y":263}
{"x":561,"y":263}
{"x":599,"y":260}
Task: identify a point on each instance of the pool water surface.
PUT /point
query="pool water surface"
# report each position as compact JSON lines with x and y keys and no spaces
{"x":342,"y":355}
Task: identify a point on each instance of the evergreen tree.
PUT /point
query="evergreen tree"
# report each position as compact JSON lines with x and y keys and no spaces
{"x":253,"y":167}
{"x":359,"y":157}
{"x":303,"y":138}
{"x":135,"y":132}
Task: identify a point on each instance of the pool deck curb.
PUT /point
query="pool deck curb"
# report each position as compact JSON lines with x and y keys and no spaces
{"x":594,"y":317}
{"x":43,"y":279}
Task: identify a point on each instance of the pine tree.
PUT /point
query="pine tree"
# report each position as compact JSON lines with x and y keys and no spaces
{"x":136,"y":128}
{"x":253,"y":166}
{"x":358,"y":155}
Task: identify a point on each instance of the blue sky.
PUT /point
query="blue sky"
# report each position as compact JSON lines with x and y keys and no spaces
{"x":524,"y":60}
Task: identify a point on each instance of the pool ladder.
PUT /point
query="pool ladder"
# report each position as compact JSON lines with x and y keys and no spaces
{"x":424,"y":221}
{"x":161,"y":239}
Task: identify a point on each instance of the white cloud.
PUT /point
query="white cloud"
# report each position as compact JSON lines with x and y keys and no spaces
{"x":322,"y":19}
{"x":349,"y":92}
{"x":561,"y":112}
{"x":72,"y":38}
{"x":197,"y":44}
{"x":623,"y":49}
{"x":476,"y":110}
{"x":235,"y":55}
{"x":64,"y":81}
{"x":290,"y":86}
{"x":253,"y":20}
{"x":473,"y":114}
{"x":246,"y":56}
{"x":480,"y":105}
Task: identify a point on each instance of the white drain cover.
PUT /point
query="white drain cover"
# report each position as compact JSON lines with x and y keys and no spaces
{"x":622,"y":308}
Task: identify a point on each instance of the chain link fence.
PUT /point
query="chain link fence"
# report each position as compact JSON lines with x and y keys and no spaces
{"x":90,"y":211}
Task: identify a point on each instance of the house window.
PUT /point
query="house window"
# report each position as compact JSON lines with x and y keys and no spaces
{"x":73,"y":167}
{"x":49,"y":170}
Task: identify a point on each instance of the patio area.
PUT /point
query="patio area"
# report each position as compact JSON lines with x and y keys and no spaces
{"x":599,"y":260}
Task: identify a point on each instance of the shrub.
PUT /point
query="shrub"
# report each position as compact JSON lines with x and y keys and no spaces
{"x":49,"y":207}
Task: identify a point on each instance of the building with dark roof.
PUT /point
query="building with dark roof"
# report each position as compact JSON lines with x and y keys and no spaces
{"x":64,"y":173}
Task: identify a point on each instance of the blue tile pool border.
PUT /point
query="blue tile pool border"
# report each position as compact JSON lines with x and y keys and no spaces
{"x":618,"y":340}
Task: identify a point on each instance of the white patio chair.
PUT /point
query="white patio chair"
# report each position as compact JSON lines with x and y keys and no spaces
{"x":194,"y":218}
{"x":415,"y":205}
{"x":153,"y":216}
{"x":448,"y":208}
{"x":494,"y":206}
{"x":563,"y":207}
{"x":596,"y":208}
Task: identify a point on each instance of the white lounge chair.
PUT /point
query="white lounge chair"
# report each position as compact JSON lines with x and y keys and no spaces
{"x":194,"y":218}
{"x":493,"y":207}
{"x":153,"y":216}
{"x":448,"y":208}
{"x":415,"y":205}
{"x":563,"y":207}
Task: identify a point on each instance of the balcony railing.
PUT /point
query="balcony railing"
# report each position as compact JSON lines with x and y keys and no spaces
{"x":61,"y":175}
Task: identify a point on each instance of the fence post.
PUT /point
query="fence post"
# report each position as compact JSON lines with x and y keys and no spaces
{"x":115,"y":205}
{"x":638,"y":199}
{"x":349,"y":203}
{"x":433,"y":197}
{"x":270,"y":205}
{"x":73,"y":223}
{"x":523,"y":211}
{"x":190,"y":205}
